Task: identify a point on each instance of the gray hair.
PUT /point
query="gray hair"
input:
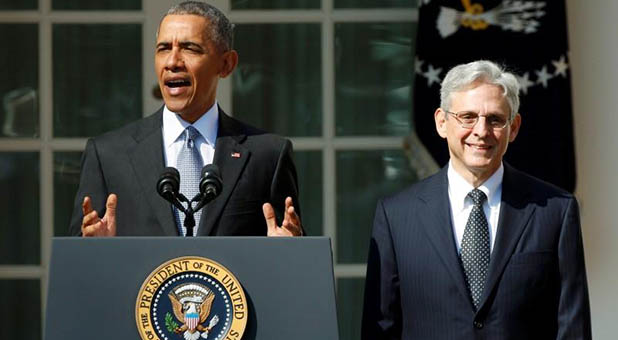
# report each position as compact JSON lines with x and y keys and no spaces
{"x":463,"y":76}
{"x":221,"y":31}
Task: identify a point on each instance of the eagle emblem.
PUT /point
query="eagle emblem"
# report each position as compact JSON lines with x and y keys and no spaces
{"x":191,"y":303}
{"x":510,"y":15}
{"x":191,"y":298}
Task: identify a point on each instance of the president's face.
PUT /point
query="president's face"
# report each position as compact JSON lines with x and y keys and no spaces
{"x":476,"y":153}
{"x":188,"y":65}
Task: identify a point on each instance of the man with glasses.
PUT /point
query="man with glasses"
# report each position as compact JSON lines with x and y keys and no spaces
{"x":479,"y":250}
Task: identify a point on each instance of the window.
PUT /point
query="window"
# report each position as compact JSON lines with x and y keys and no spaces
{"x":335,"y":76}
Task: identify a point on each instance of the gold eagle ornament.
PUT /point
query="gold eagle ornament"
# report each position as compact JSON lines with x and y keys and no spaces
{"x":191,"y":303}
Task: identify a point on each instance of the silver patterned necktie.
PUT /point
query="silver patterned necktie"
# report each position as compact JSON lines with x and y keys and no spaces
{"x":189,"y":165}
{"x":475,"y":247}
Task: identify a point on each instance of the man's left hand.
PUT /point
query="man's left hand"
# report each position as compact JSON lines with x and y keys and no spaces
{"x":291,"y":222}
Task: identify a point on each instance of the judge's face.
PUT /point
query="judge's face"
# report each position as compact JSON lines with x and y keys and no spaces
{"x":476,"y":153}
{"x":189,"y":64}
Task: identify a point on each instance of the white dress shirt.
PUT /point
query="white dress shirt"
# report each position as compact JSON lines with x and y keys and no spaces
{"x":173,"y":127}
{"x":461,"y":205}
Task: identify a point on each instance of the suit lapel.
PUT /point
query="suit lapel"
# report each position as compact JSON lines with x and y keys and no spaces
{"x":436,"y":221}
{"x":231,"y":157}
{"x":514,"y":216}
{"x":147,"y":159}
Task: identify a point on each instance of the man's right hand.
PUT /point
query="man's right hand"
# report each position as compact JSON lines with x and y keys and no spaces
{"x":92,"y":225}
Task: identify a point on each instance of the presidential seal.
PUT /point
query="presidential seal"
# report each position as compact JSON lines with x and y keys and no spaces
{"x":191,"y":298}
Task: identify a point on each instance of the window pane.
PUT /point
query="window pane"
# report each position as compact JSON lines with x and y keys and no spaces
{"x":275,"y":4}
{"x":97,"y":77}
{"x":18,"y":4}
{"x":279,"y":89}
{"x":363,"y":177}
{"x":309,"y":168}
{"x":19,"y":114}
{"x":20,"y":310}
{"x":375,"y":3}
{"x":20,"y":236}
{"x":350,"y":307}
{"x":373,"y":69}
{"x":97,"y":4}
{"x":66,"y":181}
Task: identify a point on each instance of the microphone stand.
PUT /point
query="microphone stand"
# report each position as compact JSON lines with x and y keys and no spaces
{"x":210,"y":186}
{"x":190,"y":211}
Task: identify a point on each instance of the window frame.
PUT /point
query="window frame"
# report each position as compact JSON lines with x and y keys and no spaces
{"x":328,"y":143}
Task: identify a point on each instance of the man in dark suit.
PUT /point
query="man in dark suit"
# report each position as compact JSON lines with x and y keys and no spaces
{"x":120,"y":169}
{"x":479,"y":250}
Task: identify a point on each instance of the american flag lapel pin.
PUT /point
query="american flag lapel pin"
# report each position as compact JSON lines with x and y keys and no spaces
{"x":235,"y":155}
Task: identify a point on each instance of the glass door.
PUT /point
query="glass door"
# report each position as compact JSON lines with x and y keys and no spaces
{"x":334,"y":76}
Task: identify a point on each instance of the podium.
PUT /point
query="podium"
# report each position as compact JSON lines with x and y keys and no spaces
{"x":94,"y":284}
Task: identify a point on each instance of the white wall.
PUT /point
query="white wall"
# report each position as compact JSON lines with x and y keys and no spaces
{"x":593,"y":38}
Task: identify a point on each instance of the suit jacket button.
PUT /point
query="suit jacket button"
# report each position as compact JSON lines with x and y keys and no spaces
{"x":478,"y":324}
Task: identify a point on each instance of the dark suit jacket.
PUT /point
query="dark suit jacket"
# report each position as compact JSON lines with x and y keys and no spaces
{"x":129,"y":161}
{"x":536,"y":285}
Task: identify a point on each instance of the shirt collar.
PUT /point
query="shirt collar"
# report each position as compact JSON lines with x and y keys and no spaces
{"x":459,"y":188}
{"x":207,"y":125}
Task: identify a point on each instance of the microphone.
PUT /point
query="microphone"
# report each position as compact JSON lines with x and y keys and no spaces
{"x":168,"y":185}
{"x":210,"y":184}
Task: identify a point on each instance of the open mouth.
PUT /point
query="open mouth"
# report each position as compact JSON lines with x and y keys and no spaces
{"x":177,"y":86}
{"x":177,"y":83}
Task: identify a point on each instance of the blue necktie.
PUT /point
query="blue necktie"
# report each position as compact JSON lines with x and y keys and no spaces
{"x":475,"y":247}
{"x":189,"y":165}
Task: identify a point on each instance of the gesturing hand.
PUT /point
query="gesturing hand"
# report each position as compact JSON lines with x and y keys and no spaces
{"x":92,"y":225}
{"x":291,"y":222}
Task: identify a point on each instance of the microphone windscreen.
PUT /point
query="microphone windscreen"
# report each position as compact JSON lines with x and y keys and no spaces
{"x":210,"y":177}
{"x":169,"y":179}
{"x":210,"y":169}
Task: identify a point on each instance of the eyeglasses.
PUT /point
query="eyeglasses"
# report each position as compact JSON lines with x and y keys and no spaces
{"x":468,"y":119}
